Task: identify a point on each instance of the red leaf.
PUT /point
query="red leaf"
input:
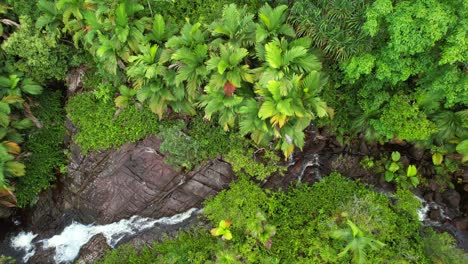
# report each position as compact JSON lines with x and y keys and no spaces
{"x":229,"y":89}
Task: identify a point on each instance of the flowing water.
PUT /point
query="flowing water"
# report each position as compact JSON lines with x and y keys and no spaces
{"x":313,"y":161}
{"x":67,"y":244}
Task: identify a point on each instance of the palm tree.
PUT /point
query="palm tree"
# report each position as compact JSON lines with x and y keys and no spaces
{"x":189,"y":55}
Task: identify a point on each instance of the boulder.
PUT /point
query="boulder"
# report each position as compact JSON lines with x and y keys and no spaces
{"x":451,"y":198}
{"x":93,"y":250}
{"x":5,"y":212}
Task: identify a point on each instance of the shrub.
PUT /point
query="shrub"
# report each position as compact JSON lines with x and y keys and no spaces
{"x":38,"y":56}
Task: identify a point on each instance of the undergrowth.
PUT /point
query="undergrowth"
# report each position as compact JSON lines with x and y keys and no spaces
{"x":307,"y":224}
{"x":102,"y":126}
{"x":44,"y":147}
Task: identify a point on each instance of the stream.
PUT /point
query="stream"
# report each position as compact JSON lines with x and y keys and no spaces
{"x":68,"y":243}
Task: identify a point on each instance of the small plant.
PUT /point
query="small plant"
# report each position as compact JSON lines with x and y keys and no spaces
{"x":261,"y":230}
{"x":438,"y":155}
{"x":246,"y":161}
{"x":183,"y":151}
{"x":357,"y":242}
{"x":393,"y":166}
{"x":222,"y":230}
{"x":367,"y":162}
{"x":393,"y":172}
{"x":462,"y":148}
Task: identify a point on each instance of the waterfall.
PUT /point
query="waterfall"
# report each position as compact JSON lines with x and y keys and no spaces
{"x":311,"y":161}
{"x":68,"y":243}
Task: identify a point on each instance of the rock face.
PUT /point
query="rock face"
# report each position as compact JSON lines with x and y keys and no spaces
{"x":107,"y":186}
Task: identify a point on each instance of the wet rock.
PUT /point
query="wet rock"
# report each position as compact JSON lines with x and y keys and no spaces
{"x":435,"y":215}
{"x":93,"y":250}
{"x":437,"y":197}
{"x":416,"y":153}
{"x":47,"y":214}
{"x":433,"y":185}
{"x":363,"y":148}
{"x":461,"y":223}
{"x":429,"y":197}
{"x":43,"y":256}
{"x":5,"y":212}
{"x":451,"y":198}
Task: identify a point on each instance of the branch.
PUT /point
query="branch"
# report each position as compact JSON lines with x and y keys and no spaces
{"x":10,"y":22}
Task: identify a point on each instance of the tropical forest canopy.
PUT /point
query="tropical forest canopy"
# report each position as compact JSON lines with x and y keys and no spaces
{"x":232,"y":78}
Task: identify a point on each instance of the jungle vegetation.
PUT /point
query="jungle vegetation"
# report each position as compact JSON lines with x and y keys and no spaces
{"x":229,"y":79}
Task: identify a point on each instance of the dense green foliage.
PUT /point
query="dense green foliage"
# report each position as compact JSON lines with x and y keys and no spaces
{"x":308,"y":224}
{"x":334,"y":25}
{"x":402,"y":73}
{"x":102,"y":126}
{"x":249,"y":74}
{"x":392,"y":71}
{"x":188,"y":147}
{"x":45,"y":145}
{"x":39,"y":56}
{"x":200,"y":10}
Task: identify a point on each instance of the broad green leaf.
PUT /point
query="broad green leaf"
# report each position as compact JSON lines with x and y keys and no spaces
{"x":273,"y":55}
{"x":4,"y":120}
{"x":396,"y":156}
{"x":389,"y":176}
{"x":120,"y":101}
{"x":261,"y":34}
{"x":16,"y":168}
{"x":159,"y":28}
{"x":5,"y":82}
{"x":236,"y":57}
{"x":274,"y":88}
{"x":12,"y":99}
{"x":394,"y":167}
{"x":267,"y":109}
{"x":121,"y":17}
{"x":216,"y":232}
{"x":222,"y":66}
{"x":103,"y":49}
{"x":321,"y":107}
{"x":356,"y":231}
{"x":122,"y":33}
{"x":414,"y":181}
{"x":5,"y":108}
{"x":292,"y":54}
{"x":437,"y":158}
{"x":31,"y":87}
{"x":227,"y":235}
{"x":412,"y":171}
{"x":22,"y":124}
{"x":224,"y":224}
{"x":284,"y":107}
{"x":287,"y":149}
{"x":462,"y":147}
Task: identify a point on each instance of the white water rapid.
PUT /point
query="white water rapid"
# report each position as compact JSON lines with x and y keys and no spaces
{"x":68,"y":243}
{"x":23,"y":241}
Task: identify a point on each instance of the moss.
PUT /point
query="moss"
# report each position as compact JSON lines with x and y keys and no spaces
{"x":45,"y":147}
{"x":101,"y":126}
